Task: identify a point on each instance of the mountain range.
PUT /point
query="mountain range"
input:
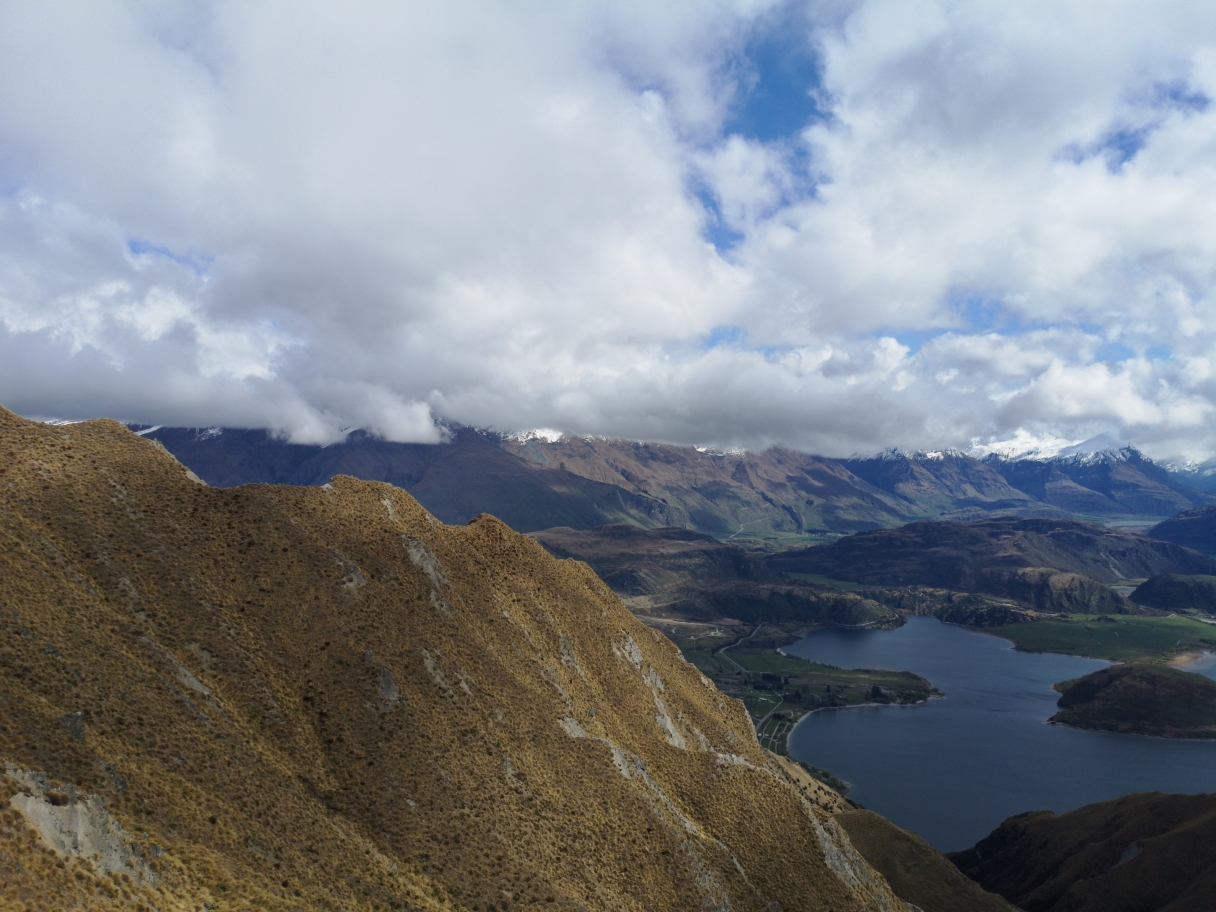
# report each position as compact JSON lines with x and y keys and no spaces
{"x":535,"y":482}
{"x":322,"y":697}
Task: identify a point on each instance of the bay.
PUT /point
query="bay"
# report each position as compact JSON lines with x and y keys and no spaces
{"x":953,"y":768}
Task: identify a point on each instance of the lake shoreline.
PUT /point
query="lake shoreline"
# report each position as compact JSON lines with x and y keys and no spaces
{"x":818,"y":709}
{"x":1190,"y":656}
{"x":954,"y":769}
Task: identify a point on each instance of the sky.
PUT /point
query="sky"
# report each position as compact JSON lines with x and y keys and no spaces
{"x":837,"y":226}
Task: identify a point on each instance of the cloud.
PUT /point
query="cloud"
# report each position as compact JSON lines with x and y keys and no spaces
{"x":985,"y":221}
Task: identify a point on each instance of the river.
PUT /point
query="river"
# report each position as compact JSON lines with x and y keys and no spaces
{"x":953,"y":768}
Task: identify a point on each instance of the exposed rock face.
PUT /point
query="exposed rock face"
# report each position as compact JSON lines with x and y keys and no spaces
{"x":1176,"y":592}
{"x":77,"y":826}
{"x":1139,"y":852}
{"x":1140,"y":699}
{"x":324,"y":698}
{"x":1044,"y":589}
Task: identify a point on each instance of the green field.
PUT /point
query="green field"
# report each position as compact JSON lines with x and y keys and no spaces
{"x":768,"y":540}
{"x":771,"y":661}
{"x":1120,"y":638}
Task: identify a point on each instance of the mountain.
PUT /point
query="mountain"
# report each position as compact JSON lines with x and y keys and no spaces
{"x":1140,"y":852}
{"x":1201,"y":475}
{"x":1109,"y":482}
{"x":322,"y":698}
{"x":990,"y":555}
{"x":944,"y":481}
{"x":778,"y":490}
{"x":917,"y":872}
{"x":1193,"y":529}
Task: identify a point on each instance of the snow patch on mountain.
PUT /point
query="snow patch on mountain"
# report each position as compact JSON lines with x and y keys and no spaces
{"x":895,"y":454}
{"x":1023,"y":445}
{"x":548,"y":435}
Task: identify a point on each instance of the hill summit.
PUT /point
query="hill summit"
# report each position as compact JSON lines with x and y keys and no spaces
{"x":323,"y":698}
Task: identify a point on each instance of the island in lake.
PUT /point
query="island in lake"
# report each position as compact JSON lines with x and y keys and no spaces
{"x":1140,"y":699}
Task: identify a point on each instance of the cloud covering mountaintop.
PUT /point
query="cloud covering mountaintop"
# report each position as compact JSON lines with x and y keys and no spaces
{"x":838,"y":226}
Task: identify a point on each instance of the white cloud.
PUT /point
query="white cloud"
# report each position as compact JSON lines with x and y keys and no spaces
{"x":312,"y":218}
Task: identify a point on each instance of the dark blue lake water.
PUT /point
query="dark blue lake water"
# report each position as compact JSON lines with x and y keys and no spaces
{"x":952,"y":769}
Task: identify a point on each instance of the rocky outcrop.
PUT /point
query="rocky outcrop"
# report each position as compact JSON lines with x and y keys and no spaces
{"x":1053,"y":591}
{"x":73,"y":825}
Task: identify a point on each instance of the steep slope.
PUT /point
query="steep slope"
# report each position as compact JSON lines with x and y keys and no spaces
{"x":778,"y":490}
{"x":318,"y":698}
{"x":1107,"y":483}
{"x":915,"y":870}
{"x":1193,"y":529}
{"x":962,"y":555}
{"x":1147,"y":851}
{"x":1201,"y":475}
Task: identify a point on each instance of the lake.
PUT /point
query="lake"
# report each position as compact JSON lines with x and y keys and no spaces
{"x":953,"y":768}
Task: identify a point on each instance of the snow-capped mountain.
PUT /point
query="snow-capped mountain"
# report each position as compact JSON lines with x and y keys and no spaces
{"x":1099,"y":477}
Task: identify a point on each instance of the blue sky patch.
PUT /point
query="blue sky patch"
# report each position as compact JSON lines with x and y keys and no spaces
{"x":715,"y":230}
{"x":1178,"y":96}
{"x":725,"y":335}
{"x":778,"y":74}
{"x":198,"y":263}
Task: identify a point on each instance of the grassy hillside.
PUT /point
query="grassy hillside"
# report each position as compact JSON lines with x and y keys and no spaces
{"x":275,"y":698}
{"x":1193,"y":529}
{"x":915,"y":869}
{"x":1144,"y":851}
{"x":1178,"y":592}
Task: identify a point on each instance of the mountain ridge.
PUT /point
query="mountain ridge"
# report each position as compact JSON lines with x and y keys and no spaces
{"x":539,"y":481}
{"x":282,"y":697}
